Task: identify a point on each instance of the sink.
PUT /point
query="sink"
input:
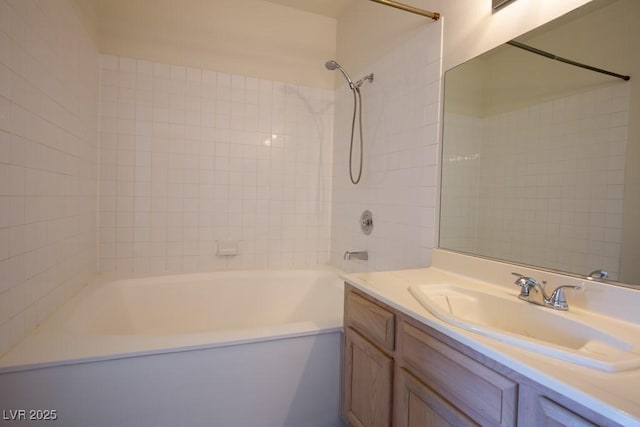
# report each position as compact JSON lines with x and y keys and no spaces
{"x":577,"y":338}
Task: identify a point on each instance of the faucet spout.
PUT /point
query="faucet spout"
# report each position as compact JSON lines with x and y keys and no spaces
{"x":557,"y":300}
{"x":363,"y":255}
{"x":598,"y":275}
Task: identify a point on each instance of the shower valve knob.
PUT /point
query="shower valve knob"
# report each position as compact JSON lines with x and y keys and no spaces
{"x":366,"y":222}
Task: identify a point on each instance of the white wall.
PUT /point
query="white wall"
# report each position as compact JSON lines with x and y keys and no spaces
{"x":48,"y":150}
{"x":192,"y":157}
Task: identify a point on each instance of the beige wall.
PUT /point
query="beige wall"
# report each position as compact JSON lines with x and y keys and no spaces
{"x":88,"y":15}
{"x":254,"y":37}
{"x":471,"y":27}
{"x":250,"y":37}
{"x":367,"y":30}
{"x":483,"y":88}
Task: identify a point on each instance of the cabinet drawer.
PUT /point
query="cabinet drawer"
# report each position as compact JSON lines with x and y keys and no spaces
{"x":552,"y":414}
{"x":373,"y":321}
{"x":481,"y":393}
{"x":418,"y":405}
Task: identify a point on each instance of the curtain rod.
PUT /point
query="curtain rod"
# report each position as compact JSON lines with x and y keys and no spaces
{"x":433,"y":15}
{"x":566,"y":61}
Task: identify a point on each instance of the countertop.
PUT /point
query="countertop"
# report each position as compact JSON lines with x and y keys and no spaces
{"x":614,"y":395}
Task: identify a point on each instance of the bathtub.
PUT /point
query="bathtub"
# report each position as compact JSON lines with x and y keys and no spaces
{"x":259,"y":348}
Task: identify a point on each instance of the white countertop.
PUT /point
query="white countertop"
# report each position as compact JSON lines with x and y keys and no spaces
{"x":614,"y":395}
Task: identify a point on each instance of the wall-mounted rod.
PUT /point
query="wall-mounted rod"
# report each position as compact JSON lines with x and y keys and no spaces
{"x":566,"y":61}
{"x":433,"y":15}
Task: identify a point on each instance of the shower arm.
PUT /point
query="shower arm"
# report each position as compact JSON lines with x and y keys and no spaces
{"x":433,"y":15}
{"x":360,"y":82}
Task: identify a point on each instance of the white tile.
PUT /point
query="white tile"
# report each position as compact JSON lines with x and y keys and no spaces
{"x":5,"y":82}
{"x":142,"y":265}
{"x":162,"y":70}
{"x":225,"y":164}
{"x":178,"y":72}
{"x":127,"y":79}
{"x":144,"y":87}
{"x":5,"y":147}
{"x":5,"y":115}
{"x":144,"y":67}
{"x":127,"y":65}
{"x":194,"y":74}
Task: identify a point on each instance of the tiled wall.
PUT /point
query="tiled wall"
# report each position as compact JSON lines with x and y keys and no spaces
{"x":48,"y":150}
{"x":190,"y":158}
{"x":459,"y":205}
{"x":399,"y":183}
{"x":563,"y":208}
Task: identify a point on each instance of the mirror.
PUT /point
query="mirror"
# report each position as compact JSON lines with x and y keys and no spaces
{"x":540,"y":159}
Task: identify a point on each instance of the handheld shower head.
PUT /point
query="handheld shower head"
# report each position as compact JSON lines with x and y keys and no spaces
{"x":357,"y":99}
{"x":333,"y":65}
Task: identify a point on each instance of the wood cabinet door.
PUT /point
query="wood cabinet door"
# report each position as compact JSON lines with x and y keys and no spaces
{"x":368,"y":382}
{"x":419,"y":406}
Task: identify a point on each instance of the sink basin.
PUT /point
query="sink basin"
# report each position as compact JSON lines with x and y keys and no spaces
{"x":502,"y":316}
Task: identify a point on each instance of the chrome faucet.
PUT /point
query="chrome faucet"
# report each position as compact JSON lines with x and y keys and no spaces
{"x":598,"y":275}
{"x":363,"y":255}
{"x":557,"y":300}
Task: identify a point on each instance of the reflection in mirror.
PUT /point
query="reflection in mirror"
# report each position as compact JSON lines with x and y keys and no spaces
{"x":540,"y":158}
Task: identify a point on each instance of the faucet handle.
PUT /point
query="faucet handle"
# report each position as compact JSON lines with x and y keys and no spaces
{"x":526,"y":283}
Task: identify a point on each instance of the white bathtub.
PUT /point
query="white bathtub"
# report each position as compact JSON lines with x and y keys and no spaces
{"x":258,"y":348}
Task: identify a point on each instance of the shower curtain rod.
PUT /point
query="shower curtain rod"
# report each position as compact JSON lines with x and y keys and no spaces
{"x":566,"y":61}
{"x":433,"y":15}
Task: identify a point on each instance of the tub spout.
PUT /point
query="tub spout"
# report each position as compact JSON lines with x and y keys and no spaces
{"x":363,"y":255}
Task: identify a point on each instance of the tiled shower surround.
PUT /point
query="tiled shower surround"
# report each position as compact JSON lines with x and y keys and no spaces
{"x":560,"y":163}
{"x":191,"y":159}
{"x":48,"y":150}
{"x":399,"y":182}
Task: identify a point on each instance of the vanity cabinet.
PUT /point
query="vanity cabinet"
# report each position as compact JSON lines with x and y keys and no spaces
{"x":400,"y":372}
{"x":368,"y":362}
